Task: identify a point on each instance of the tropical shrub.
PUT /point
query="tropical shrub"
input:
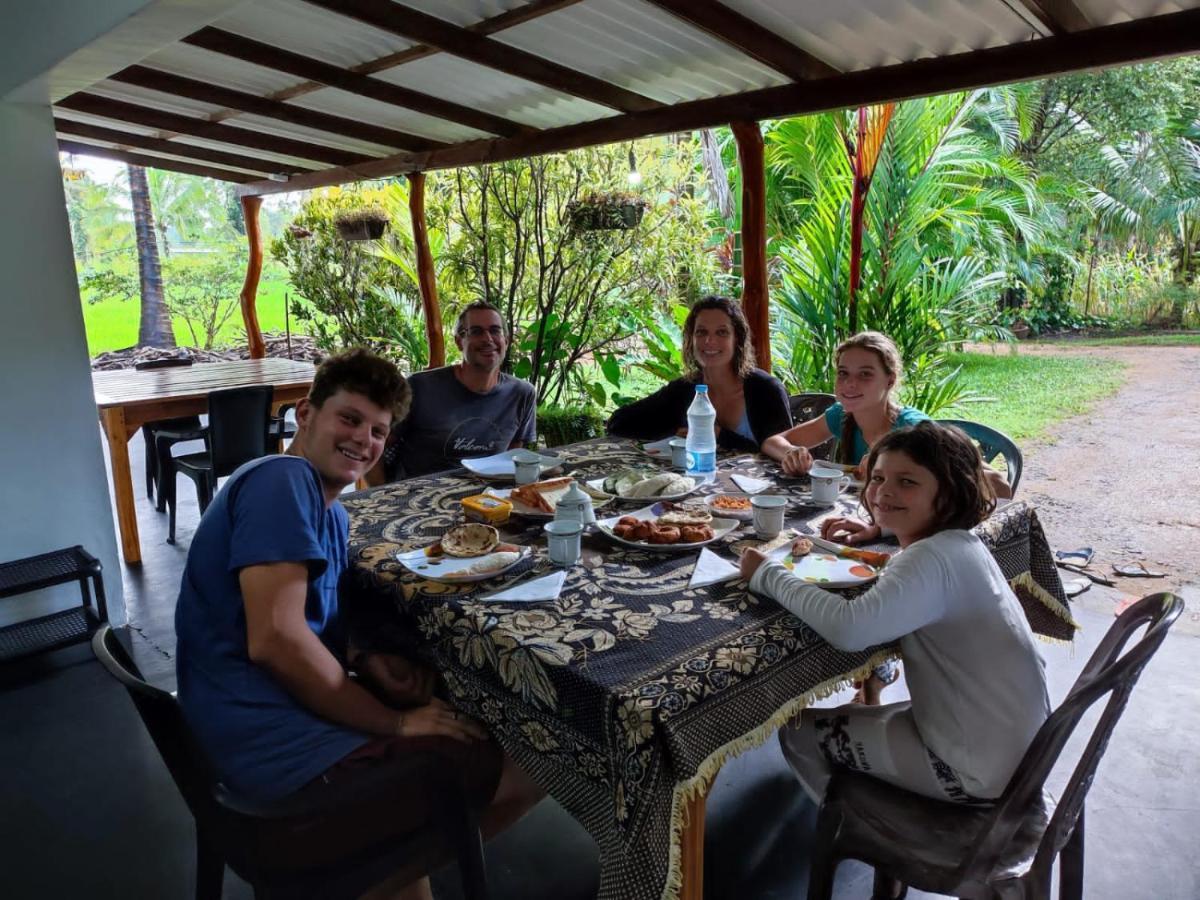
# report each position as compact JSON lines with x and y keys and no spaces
{"x":558,"y":425}
{"x":943,"y":199}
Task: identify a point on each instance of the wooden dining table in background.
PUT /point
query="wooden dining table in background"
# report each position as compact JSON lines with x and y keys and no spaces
{"x":126,"y":399}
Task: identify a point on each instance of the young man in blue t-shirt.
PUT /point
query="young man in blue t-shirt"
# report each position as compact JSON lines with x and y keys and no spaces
{"x":262,"y":659}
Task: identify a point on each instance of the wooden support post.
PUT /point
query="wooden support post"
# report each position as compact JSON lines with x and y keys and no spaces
{"x":249,"y":296}
{"x":691,"y":850}
{"x":426,"y":279}
{"x":755,"y":302}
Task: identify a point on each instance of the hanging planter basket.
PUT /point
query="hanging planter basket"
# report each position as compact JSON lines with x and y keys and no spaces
{"x":366,"y":224}
{"x":601,"y":212}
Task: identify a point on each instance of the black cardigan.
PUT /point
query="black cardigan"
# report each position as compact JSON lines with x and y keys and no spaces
{"x":664,"y":412}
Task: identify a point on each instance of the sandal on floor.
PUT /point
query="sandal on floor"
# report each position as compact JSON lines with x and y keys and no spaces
{"x":1080,"y":557}
{"x":1136,"y":570}
{"x":1076,"y":586}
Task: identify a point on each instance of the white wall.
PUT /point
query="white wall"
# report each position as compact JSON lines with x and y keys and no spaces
{"x":53,"y":489}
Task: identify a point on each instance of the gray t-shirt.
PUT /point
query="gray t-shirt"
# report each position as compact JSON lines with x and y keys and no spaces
{"x":449,"y":422}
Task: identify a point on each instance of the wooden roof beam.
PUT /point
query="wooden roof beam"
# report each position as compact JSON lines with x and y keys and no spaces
{"x":206,"y":92}
{"x":145,"y":142}
{"x":1057,"y":16}
{"x":1112,"y":45}
{"x":748,"y":37}
{"x":258,"y":53}
{"x":482,"y":50}
{"x":154,"y":162}
{"x":147,"y":117}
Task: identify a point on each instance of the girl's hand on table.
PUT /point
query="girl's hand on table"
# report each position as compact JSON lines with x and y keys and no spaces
{"x":796,"y":461}
{"x":750,"y":561}
{"x":848,"y":530}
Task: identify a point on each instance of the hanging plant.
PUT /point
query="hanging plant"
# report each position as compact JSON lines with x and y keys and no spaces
{"x":598,"y":211}
{"x":367,"y":223}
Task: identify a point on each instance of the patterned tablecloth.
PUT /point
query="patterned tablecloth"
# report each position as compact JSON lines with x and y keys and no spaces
{"x":624,"y":697}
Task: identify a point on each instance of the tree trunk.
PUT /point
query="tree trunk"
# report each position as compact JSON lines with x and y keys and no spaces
{"x":154,"y":329}
{"x":755,"y":300}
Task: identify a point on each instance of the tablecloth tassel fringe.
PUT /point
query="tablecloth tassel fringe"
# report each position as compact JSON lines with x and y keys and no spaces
{"x":1027,"y":581}
{"x":707,"y":771}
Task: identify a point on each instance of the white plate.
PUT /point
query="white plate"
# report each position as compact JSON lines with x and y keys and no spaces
{"x":444,"y":568}
{"x":720,"y":527}
{"x":745,"y":515}
{"x":599,"y":499}
{"x":824,"y":570}
{"x":500,"y":465}
{"x":598,"y":484}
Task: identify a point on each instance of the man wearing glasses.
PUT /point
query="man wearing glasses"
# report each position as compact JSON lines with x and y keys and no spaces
{"x":467,"y":409}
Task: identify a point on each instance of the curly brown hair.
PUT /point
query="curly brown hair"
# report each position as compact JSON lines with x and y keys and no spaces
{"x":964,"y":496}
{"x":743,"y":351}
{"x":360,"y":371}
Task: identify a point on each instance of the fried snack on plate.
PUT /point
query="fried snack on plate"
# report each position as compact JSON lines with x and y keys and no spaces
{"x":473,"y":539}
{"x":802,"y":546}
{"x":664,"y":534}
{"x":694,"y":534}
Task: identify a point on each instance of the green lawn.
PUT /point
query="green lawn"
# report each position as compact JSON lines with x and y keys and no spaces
{"x":113,"y":324}
{"x":1028,"y":395}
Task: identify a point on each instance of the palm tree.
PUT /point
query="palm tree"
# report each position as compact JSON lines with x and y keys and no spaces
{"x":154,"y":329}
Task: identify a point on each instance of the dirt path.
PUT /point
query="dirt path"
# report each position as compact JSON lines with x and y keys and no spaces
{"x":1125,"y":478}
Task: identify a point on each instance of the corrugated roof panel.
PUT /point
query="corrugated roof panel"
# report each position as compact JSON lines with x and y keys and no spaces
{"x":266,"y":170}
{"x":286,"y":162}
{"x":642,"y":49}
{"x":455,"y":79}
{"x":303,"y":28}
{"x":265,"y":125}
{"x":215,"y":68}
{"x":131,"y":93}
{"x":464,"y":12}
{"x":352,"y":106}
{"x":1109,"y":12}
{"x":858,"y":34}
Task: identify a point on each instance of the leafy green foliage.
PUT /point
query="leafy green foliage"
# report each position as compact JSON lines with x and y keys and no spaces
{"x":355,"y":294}
{"x":558,"y":425}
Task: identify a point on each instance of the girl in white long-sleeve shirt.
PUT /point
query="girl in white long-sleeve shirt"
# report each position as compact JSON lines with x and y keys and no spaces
{"x":976,"y":679}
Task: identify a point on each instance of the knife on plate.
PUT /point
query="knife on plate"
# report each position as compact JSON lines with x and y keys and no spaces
{"x":870,"y":557}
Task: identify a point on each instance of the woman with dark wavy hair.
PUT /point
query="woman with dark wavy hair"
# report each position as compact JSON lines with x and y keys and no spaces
{"x":751,"y":405}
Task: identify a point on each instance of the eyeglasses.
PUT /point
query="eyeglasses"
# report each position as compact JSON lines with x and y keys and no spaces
{"x":477,"y":331}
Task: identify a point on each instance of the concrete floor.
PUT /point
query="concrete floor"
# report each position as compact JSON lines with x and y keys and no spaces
{"x":90,"y":811}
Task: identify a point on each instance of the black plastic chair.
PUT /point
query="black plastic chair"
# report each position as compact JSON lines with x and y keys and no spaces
{"x":187,"y":427}
{"x":1001,"y":849}
{"x":278,"y":847}
{"x":239,"y":430}
{"x":993,"y":443}
{"x":809,"y":406}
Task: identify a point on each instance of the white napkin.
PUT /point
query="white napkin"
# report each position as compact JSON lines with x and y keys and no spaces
{"x":712,"y":569}
{"x":548,"y":587}
{"x":658,"y":448}
{"x":750,"y":485}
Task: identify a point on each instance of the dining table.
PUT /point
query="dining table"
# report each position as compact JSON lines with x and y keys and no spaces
{"x":624,"y":696}
{"x":126,"y":399}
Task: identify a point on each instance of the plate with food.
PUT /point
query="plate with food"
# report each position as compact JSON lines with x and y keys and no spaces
{"x":822,"y":568}
{"x":669,"y":530}
{"x":540,"y":499}
{"x":731,"y":506}
{"x":499,"y":466}
{"x":645,"y":484}
{"x":465,"y":553}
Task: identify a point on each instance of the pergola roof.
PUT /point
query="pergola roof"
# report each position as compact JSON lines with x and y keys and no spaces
{"x":288,"y":94}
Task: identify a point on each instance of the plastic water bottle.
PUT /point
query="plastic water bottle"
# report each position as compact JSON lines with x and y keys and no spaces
{"x":702,"y":436}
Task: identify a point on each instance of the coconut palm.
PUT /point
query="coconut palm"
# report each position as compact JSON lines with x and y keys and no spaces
{"x":154,"y":328}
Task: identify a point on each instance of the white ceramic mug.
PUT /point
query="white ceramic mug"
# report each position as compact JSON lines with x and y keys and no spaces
{"x":563,"y":541}
{"x":527,"y":466}
{"x":768,"y":510}
{"x":679,"y":453}
{"x":827,"y":484}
